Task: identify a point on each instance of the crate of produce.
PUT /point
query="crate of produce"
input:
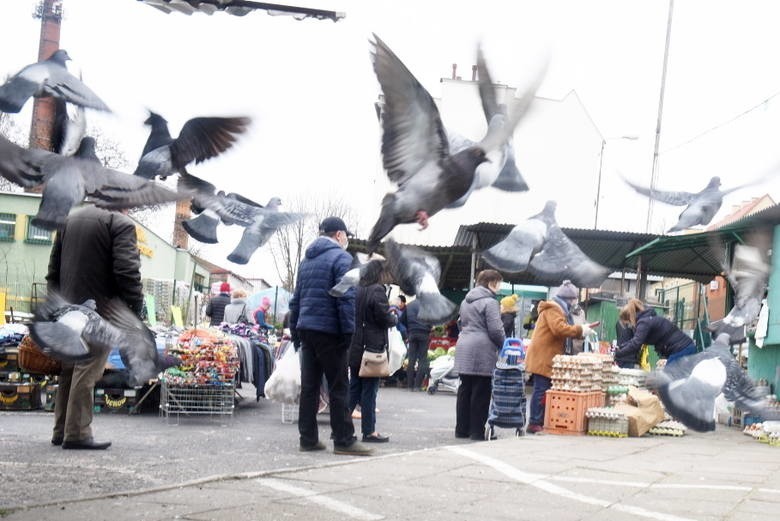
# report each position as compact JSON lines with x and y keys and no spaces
{"x":606,"y":421}
{"x":20,"y":396}
{"x":9,"y":360}
{"x":115,"y":400}
{"x":564,"y":411}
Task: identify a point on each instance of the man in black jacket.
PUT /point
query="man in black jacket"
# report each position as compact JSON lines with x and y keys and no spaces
{"x":95,"y":256}
{"x":215,"y":309}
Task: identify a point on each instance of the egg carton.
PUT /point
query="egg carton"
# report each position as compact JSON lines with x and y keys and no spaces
{"x":668,"y":428}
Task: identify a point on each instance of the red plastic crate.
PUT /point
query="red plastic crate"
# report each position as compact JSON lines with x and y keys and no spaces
{"x":564,"y":411}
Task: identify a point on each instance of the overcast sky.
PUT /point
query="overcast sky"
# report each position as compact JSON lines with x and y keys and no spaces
{"x":310,"y":89}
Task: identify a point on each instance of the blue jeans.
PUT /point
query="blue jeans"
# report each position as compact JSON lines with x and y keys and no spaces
{"x":541,"y":385}
{"x":363,"y":391}
{"x":690,"y":350}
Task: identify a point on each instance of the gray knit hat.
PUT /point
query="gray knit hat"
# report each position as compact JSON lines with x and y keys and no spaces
{"x":567,"y":291}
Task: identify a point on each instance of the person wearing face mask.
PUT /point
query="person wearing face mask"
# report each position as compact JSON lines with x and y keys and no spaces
{"x":481,"y":336}
{"x":554,"y":329}
{"x":321,"y":327}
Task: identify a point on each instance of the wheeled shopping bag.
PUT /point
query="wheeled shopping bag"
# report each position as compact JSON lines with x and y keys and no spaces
{"x":508,"y":402}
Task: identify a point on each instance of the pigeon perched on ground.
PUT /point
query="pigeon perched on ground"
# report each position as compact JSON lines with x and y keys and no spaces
{"x":68,"y":180}
{"x":70,"y":125}
{"x":47,"y":78}
{"x":415,"y":148}
{"x":417,"y":273}
{"x":689,"y":385}
{"x":539,"y":246}
{"x":701,"y":206}
{"x":73,"y":332}
{"x":259,"y":222}
{"x":363,"y":268}
{"x":199,"y":139}
{"x":748,"y":276}
{"x":500,"y":171}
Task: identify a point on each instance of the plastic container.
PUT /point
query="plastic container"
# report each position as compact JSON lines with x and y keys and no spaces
{"x":564,"y":411}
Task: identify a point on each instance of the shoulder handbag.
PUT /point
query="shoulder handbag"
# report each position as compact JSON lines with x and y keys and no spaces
{"x":373,"y":364}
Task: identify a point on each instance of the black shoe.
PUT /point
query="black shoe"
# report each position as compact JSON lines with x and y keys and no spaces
{"x":89,"y":444}
{"x":56,"y":440}
{"x":376,"y":438}
{"x":461,"y":436}
{"x":310,"y":448}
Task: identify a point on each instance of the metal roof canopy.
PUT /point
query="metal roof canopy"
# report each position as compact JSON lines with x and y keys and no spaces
{"x":692,"y":255}
{"x":241,"y":8}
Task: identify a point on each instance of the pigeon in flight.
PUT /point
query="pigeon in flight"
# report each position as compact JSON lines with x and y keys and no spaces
{"x":259,"y":222}
{"x":363,"y":268}
{"x":501,"y":170}
{"x":47,"y":78}
{"x":689,"y":385}
{"x":748,"y":276}
{"x":70,"y":125}
{"x":539,"y":246}
{"x":75,"y":332}
{"x":701,"y":206}
{"x":415,"y":148}
{"x":200,"y":139}
{"x":68,"y":180}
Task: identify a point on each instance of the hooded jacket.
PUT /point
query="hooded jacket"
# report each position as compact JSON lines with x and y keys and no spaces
{"x":311,"y":307}
{"x":656,"y":331}
{"x":549,"y":338}
{"x":372,"y":319}
{"x":481,"y":333}
{"x":235,"y":312}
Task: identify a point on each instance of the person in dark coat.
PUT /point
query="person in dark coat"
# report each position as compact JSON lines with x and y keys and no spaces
{"x":649,"y":328}
{"x":509,"y":314}
{"x":481,"y":336}
{"x":95,"y":256}
{"x":418,"y":335}
{"x":322,"y":327}
{"x":372,"y":319}
{"x":215,"y":309}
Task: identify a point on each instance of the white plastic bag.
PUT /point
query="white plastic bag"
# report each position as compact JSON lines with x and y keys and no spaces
{"x":284,"y":384}
{"x":397,"y":349}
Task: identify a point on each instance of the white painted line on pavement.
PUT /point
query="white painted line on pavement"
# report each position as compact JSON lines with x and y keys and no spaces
{"x":314,"y":497}
{"x":641,"y":484}
{"x":538,"y":481}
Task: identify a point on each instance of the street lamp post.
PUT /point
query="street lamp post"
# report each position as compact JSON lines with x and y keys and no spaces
{"x":601,"y":166}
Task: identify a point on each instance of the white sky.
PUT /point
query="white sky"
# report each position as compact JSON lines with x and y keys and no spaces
{"x":310,"y":89}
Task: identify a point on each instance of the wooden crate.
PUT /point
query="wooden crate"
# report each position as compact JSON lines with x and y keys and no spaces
{"x":20,"y":396}
{"x":564,"y":411}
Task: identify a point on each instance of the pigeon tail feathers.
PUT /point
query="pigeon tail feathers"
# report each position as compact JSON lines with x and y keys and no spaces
{"x":203,"y":228}
{"x":384,"y":225}
{"x":435,"y":308}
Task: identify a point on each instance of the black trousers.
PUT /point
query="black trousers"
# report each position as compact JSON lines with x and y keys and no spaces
{"x":417,"y":354}
{"x":326,"y":354}
{"x":473,"y":406}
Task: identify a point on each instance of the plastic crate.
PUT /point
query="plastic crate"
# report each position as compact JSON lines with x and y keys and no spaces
{"x":115,"y":400}
{"x":289,"y":413}
{"x":564,"y":411}
{"x":20,"y":396}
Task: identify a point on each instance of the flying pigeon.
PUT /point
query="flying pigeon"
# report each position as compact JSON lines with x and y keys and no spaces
{"x":539,"y":246}
{"x":363,"y":268}
{"x":200,"y":139}
{"x":70,"y":125}
{"x":689,"y":385}
{"x":68,"y":180}
{"x":75,"y":332}
{"x":748,"y":276}
{"x":701,"y":206}
{"x":501,"y":170}
{"x":415,"y":148}
{"x":417,"y":272}
{"x":47,"y":78}
{"x":259,"y":222}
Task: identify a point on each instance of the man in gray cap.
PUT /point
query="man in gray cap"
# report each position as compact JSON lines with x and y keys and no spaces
{"x":322,"y":326}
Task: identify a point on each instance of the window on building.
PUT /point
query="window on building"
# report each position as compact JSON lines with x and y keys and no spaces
{"x":7,"y":226}
{"x":198,"y":281}
{"x":36,"y":234}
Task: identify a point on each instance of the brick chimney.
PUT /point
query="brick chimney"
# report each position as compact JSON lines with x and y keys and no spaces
{"x":42,"y":125}
{"x":183,"y":212}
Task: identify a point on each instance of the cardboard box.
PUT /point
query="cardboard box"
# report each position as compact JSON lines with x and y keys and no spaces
{"x":644,"y":411}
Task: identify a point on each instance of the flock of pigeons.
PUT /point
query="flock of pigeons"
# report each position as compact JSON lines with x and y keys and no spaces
{"x":432,"y":169}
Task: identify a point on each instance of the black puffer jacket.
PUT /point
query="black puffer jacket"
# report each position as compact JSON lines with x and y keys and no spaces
{"x":655,"y":331}
{"x":95,"y":256}
{"x":372,"y":319}
{"x":215,"y":309}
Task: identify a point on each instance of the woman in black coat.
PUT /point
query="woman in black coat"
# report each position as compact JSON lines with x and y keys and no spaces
{"x":372,"y":319}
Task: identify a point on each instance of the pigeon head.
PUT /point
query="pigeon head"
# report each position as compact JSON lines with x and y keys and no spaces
{"x":714,"y":182}
{"x":470,"y":158}
{"x":86,"y":148}
{"x":274,"y":202}
{"x":155,"y":120}
{"x":60,"y":56}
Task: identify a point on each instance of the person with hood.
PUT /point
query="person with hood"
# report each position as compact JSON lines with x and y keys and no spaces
{"x":481,"y":336}
{"x":321,"y":327}
{"x":235,"y":312}
{"x":259,"y":314}
{"x":554,"y":329}
{"x":509,"y":314}
{"x":372,"y":320}
{"x":649,"y":328}
{"x":215,"y":309}
{"x":418,"y":335}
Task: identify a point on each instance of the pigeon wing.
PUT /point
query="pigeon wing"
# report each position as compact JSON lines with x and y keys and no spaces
{"x":561,"y":259}
{"x":513,"y":253}
{"x":204,"y":138}
{"x":137,"y":344}
{"x":487,"y":92}
{"x":413,"y":134}
{"x":62,"y":84}
{"x":114,"y":189}
{"x":15,"y":92}
{"x":673,"y":198}
{"x":22,"y":166}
